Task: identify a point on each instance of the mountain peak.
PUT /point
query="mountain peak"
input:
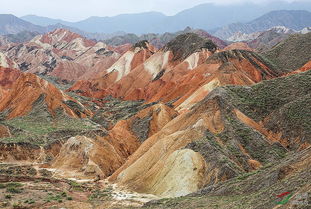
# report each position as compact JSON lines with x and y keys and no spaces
{"x":186,"y":44}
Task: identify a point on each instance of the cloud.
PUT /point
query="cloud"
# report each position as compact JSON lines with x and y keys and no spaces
{"x":79,"y":9}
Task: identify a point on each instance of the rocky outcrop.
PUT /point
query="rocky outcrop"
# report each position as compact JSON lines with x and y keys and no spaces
{"x":89,"y":157}
{"x":190,"y":145}
{"x":28,"y":90}
{"x":6,"y":62}
{"x":130,"y":60}
{"x":232,"y":132}
{"x":28,"y":153}
{"x":181,"y":73}
{"x":63,"y":54}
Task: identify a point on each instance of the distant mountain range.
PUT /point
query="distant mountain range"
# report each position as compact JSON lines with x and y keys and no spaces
{"x":293,"y":19}
{"x":220,"y":21}
{"x":10,"y":24}
{"x":204,"y":16}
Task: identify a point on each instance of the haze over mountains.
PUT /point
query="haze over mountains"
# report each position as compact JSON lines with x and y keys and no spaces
{"x":205,"y":16}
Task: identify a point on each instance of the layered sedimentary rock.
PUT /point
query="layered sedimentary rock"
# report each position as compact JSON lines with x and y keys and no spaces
{"x":182,"y":73}
{"x":230,"y":130}
{"x":82,"y":156}
{"x":62,"y":54}
{"x":25,"y":90}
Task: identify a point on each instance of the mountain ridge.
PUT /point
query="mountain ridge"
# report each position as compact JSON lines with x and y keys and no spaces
{"x":216,"y":15}
{"x":293,"y":19}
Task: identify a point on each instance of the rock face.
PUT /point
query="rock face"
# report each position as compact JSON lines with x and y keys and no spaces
{"x":238,"y":36}
{"x":182,"y":73}
{"x":175,"y":72}
{"x":231,"y":133}
{"x":102,"y":156}
{"x":28,"y":90}
{"x":27,"y":153}
{"x":129,"y":61}
{"x":62,"y":54}
{"x":6,"y":62}
{"x":263,"y":184}
{"x":82,"y":156}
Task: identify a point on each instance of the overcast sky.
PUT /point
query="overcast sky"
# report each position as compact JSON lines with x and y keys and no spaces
{"x":73,"y":10}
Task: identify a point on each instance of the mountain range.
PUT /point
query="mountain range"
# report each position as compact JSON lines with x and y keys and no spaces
{"x":181,"y":120}
{"x":142,"y":123}
{"x":293,"y":19}
{"x":204,"y":16}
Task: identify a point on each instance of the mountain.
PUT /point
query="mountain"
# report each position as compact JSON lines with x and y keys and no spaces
{"x":94,"y":24}
{"x":159,"y":40}
{"x":16,"y":102}
{"x":143,"y":22}
{"x":267,"y":39}
{"x":21,"y":37}
{"x":9,"y":24}
{"x":43,"y":21}
{"x":61,"y":53}
{"x":205,"y":16}
{"x":186,"y":69}
{"x":87,"y":125}
{"x":293,"y":19}
{"x":283,"y":110}
{"x":292,"y":53}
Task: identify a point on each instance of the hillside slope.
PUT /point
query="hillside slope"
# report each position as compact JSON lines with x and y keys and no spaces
{"x":228,"y":134}
{"x":291,"y":53}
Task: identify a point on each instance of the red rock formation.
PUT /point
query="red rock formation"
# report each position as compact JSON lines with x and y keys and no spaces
{"x":28,"y":88}
{"x":124,"y":66}
{"x":62,"y":54}
{"x":86,"y":157}
{"x":304,"y":68}
{"x":238,"y":45}
{"x":161,"y":78}
{"x":8,"y":76}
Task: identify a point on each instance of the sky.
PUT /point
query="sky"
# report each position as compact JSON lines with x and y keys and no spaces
{"x":74,"y":10}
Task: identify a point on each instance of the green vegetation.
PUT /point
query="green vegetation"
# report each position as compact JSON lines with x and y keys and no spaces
{"x":30,"y":201}
{"x":100,"y":194}
{"x":292,"y":53}
{"x":76,"y":186}
{"x":116,"y":109}
{"x":253,"y":190}
{"x":285,"y":100}
{"x":59,"y":197}
{"x":14,"y":187}
{"x":252,"y":57}
{"x":40,"y":130}
{"x":141,"y":44}
{"x":7,"y":196}
{"x":60,"y":84}
{"x":186,"y":44}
